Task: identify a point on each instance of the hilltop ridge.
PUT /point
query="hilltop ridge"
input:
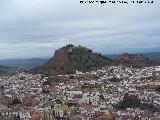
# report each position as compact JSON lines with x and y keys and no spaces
{"x":70,"y":58}
{"x":135,"y":60}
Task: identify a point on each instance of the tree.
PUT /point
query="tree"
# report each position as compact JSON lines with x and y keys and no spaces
{"x":51,"y":80}
{"x":71,"y":77}
{"x":45,"y":91}
{"x":129,"y":101}
{"x":102,"y":97}
{"x":58,"y":101}
{"x":157,"y":88}
{"x":16,"y":101}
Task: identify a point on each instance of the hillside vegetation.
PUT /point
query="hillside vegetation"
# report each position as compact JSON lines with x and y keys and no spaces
{"x":7,"y":70}
{"x":70,"y":58}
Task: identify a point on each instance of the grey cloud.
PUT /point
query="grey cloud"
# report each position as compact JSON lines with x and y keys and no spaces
{"x":42,"y":26}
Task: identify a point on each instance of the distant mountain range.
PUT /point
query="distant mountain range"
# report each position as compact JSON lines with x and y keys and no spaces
{"x":135,"y":60}
{"x":153,"y":55}
{"x":24,"y":63}
{"x":80,"y":55}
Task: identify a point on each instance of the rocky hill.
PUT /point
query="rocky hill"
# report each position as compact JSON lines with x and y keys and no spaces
{"x":135,"y":60}
{"x":70,"y":58}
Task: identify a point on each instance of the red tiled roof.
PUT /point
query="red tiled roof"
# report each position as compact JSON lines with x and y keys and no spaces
{"x":88,"y":105}
{"x":22,"y":109}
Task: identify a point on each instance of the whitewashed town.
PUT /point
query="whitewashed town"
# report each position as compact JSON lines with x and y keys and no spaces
{"x":110,"y":93}
{"x":79,"y":59}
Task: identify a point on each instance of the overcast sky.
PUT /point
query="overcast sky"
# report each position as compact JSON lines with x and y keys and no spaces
{"x":35,"y":28}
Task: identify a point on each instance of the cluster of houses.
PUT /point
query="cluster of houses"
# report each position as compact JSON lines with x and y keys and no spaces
{"x":82,"y":96}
